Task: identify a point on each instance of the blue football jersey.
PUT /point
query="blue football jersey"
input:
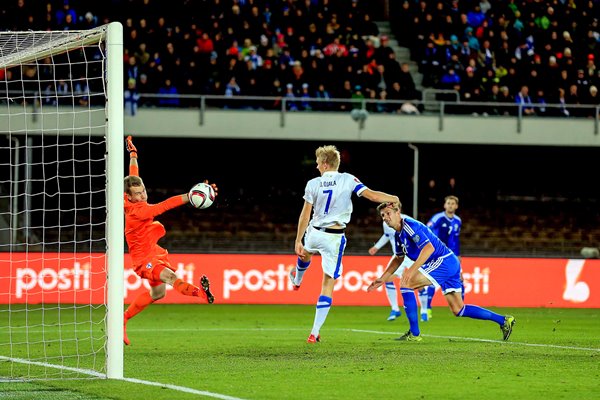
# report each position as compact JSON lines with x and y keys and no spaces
{"x":414,"y":236}
{"x":447,"y":230}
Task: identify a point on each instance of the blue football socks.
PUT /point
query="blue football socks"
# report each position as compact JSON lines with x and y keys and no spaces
{"x":412,"y":312}
{"x":477,"y":312}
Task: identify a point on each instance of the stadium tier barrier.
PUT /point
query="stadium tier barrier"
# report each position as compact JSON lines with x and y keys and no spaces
{"x":263,"y":279}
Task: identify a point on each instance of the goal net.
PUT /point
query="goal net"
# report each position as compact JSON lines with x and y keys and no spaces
{"x":61,"y":205}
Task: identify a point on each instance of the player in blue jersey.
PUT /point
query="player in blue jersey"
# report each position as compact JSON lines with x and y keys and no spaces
{"x":446,"y":225}
{"x":390,"y":286}
{"x":434,"y":264}
{"x":329,"y":199}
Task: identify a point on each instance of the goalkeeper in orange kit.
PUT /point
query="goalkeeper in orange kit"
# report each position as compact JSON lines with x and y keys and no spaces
{"x":142,"y":232}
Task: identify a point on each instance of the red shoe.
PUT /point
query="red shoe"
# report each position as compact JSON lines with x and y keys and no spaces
{"x":313,"y":339}
{"x":293,"y":279}
{"x":125,"y":338}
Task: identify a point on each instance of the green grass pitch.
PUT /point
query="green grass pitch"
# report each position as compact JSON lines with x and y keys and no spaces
{"x":260,"y":352}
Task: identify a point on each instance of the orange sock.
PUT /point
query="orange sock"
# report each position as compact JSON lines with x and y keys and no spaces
{"x":186,"y":288}
{"x":140,"y":302}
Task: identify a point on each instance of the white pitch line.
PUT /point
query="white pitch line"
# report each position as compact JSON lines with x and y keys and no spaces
{"x":554,"y":346}
{"x":101,"y":375}
{"x":182,"y":389}
{"x":48,"y":365}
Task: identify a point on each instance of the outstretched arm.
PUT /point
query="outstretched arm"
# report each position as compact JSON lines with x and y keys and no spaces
{"x":134,"y":168}
{"x":379,"y":197}
{"x":392,"y":266}
{"x":154,"y":210}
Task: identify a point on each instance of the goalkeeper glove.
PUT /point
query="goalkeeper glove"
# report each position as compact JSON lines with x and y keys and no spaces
{"x":213,"y":185}
{"x":131,"y":148}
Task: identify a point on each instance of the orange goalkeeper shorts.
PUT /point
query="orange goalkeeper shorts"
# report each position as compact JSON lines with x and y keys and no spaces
{"x":151,"y":271}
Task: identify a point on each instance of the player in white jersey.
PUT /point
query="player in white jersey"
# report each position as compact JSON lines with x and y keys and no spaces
{"x":329,"y":199}
{"x":390,"y":286}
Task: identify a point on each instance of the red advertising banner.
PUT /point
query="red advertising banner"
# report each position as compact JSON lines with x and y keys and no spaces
{"x":263,"y":279}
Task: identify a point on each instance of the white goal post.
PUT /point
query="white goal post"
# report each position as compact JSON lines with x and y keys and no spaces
{"x":61,"y":204}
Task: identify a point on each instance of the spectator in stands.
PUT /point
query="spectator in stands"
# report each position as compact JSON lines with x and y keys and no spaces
{"x":582,"y":81}
{"x":562,"y":110}
{"x":305,"y":96}
{"x":540,"y":99}
{"x":407,"y":82}
{"x":590,"y":67}
{"x":572,"y":98}
{"x":290,"y":97}
{"x":169,"y":94}
{"x":357,"y":98}
{"x":494,"y":97}
{"x":398,"y":95}
{"x":132,"y":70}
{"x":323,"y":94}
{"x":485,"y":55}
{"x":594,"y":99}
{"x":449,"y":79}
{"x":141,"y":54}
{"x":132,"y":98}
{"x":367,"y":27}
{"x":344,"y":93}
{"x":469,"y":82}
{"x":524,"y":101}
{"x":190,"y":87}
{"x":47,"y":18}
{"x":146,"y":87}
{"x":277,"y":91}
{"x":61,"y":14}
{"x":88,"y":21}
{"x":506,"y":97}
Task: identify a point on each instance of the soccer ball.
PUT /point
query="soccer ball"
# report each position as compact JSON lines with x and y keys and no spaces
{"x":202,"y":195}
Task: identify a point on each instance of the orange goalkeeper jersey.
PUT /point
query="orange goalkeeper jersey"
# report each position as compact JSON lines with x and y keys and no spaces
{"x":142,"y":232}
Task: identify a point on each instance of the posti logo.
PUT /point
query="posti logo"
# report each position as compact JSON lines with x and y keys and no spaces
{"x":48,"y":279}
{"x":477,"y":281}
{"x":276,"y":279}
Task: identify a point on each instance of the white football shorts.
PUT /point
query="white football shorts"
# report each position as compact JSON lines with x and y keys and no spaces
{"x":330,"y":246}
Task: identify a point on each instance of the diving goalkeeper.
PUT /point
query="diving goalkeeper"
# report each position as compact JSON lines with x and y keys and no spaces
{"x":142,"y":232}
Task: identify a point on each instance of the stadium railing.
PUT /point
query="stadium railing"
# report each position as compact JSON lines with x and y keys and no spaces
{"x":442,"y":108}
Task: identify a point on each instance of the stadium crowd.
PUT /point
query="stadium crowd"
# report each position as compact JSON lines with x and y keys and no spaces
{"x":517,"y":51}
{"x":522,"y":52}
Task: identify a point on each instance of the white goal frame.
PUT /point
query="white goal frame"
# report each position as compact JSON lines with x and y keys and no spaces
{"x":27,"y":49}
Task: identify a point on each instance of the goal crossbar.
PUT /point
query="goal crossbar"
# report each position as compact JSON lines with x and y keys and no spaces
{"x":22,"y":47}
